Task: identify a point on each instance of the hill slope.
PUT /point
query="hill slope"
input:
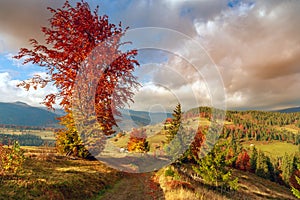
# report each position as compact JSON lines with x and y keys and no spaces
{"x":132,"y":118}
{"x":289,"y":110}
{"x":22,"y":114}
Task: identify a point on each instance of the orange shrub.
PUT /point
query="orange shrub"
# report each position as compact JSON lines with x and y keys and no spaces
{"x":138,"y":141}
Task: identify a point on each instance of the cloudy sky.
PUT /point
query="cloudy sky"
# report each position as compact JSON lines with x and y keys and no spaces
{"x":238,"y":54}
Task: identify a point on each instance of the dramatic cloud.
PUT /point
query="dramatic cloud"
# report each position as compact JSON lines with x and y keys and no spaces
{"x":255,"y":45}
{"x":257,"y":49}
{"x":22,"y":20}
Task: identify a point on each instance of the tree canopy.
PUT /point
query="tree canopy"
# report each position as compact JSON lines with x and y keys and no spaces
{"x":80,"y":43}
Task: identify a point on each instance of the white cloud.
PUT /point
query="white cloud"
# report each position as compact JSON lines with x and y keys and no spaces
{"x":11,"y":93}
{"x":171,"y":82}
{"x":256,"y":47}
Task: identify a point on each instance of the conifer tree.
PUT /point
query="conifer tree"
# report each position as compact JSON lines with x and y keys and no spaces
{"x":175,"y":123}
{"x":213,"y":167}
{"x":287,"y":167}
{"x":68,"y":140}
{"x":174,"y":140}
{"x":253,"y":159}
{"x":264,"y":167}
{"x":295,"y":186}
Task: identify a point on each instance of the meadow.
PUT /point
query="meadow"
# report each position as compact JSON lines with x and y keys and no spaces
{"x":47,"y":174}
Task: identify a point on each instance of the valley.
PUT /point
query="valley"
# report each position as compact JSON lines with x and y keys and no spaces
{"x":274,"y":134}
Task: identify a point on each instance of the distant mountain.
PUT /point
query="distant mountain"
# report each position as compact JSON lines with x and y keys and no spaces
{"x":132,"y":118}
{"x":289,"y":110}
{"x":58,"y":112}
{"x":21,"y":114}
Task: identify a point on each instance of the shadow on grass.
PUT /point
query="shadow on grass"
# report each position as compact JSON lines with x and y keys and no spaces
{"x":135,"y":163}
{"x":58,"y":179}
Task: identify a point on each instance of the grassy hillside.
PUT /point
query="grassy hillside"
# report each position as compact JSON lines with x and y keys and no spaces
{"x":251,"y":187}
{"x":273,"y":149}
{"x":47,"y":175}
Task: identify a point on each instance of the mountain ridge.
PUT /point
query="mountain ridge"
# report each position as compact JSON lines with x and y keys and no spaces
{"x":289,"y":110}
{"x":22,"y":114}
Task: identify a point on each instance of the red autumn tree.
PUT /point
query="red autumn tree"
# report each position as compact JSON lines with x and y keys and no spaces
{"x":197,"y":144}
{"x":243,"y":161}
{"x":79,"y":43}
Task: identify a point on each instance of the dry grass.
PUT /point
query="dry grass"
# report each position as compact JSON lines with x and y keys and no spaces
{"x":250,"y":187}
{"x":54,"y":177}
{"x":184,"y":190}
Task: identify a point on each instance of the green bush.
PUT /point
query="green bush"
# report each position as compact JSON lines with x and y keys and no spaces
{"x":169,"y":172}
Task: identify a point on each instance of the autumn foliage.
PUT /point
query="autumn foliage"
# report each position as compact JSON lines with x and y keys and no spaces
{"x":11,"y":159}
{"x":68,"y":140}
{"x":243,"y":161}
{"x":80,"y":43}
{"x":138,"y":141}
{"x":73,"y":34}
{"x":197,"y":144}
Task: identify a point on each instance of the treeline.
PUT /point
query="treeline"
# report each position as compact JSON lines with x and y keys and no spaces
{"x":246,"y":132}
{"x":214,"y":165}
{"x":25,"y":128}
{"x":253,"y":117}
{"x":23,"y":140}
{"x":253,"y":125}
{"x":264,"y":118}
{"x":261,"y":126}
{"x":228,"y":152}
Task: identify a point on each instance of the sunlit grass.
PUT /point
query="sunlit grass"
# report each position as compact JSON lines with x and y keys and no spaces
{"x":274,"y":148}
{"x":290,"y":128}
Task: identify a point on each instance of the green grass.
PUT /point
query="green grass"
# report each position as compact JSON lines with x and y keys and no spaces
{"x":157,"y":138}
{"x":274,"y":148}
{"x":121,"y":142}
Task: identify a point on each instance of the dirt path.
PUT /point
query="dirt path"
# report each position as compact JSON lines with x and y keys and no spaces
{"x":135,"y":187}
